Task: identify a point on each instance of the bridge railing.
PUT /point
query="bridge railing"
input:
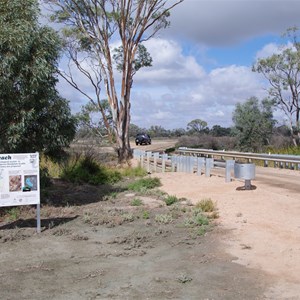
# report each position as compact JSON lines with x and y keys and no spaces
{"x":160,"y":162}
{"x":278,"y":160}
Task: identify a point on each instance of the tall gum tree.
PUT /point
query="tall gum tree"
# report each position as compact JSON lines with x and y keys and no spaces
{"x":282,"y":71}
{"x":98,"y":25}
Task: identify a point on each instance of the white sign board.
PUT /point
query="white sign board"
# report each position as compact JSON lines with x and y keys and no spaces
{"x":19,"y":179}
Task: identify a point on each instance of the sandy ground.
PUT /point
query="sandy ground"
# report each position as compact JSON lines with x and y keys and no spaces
{"x":264,"y":224}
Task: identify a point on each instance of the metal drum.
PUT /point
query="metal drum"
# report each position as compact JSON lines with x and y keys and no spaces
{"x":244,"y":171}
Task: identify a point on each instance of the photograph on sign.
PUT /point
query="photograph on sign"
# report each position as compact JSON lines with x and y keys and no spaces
{"x":19,"y":179}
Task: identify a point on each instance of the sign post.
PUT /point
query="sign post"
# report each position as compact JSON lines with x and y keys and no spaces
{"x":20,"y":181}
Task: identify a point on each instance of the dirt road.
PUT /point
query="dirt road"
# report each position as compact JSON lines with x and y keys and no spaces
{"x":157,"y":145}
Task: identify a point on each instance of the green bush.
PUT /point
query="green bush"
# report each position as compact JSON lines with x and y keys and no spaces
{"x":87,"y":170}
{"x":146,"y":214}
{"x":171,"y":200}
{"x":144,"y":184}
{"x":196,"y":220}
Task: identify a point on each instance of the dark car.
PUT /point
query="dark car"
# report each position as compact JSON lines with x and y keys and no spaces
{"x":143,"y":138}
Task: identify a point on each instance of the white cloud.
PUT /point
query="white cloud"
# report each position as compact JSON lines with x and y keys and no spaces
{"x":225,"y":22}
{"x":210,"y":97}
{"x":170,"y":66}
{"x":267,"y":51}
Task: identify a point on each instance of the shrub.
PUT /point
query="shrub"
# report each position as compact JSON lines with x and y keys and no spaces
{"x":51,"y":167}
{"x":171,"y":200}
{"x":87,"y":170}
{"x":196,"y":220}
{"x":144,"y":184}
{"x":146,"y":214}
{"x":206,"y":205}
{"x":201,"y":230}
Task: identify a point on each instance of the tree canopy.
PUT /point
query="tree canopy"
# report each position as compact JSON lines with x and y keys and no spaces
{"x":253,"y":124}
{"x":197,"y":126}
{"x":33,"y":117}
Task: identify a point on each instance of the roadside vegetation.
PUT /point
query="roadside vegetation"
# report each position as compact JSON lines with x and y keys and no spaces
{"x":80,"y":181}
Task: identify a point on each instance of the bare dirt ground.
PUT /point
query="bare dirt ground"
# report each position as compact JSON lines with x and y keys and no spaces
{"x":96,"y":245}
{"x":262,"y":225}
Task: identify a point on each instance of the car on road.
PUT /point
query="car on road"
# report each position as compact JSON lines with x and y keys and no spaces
{"x":143,"y":138}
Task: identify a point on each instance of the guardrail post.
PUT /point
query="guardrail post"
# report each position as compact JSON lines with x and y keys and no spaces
{"x":188,"y":164}
{"x":149,"y":154}
{"x":191,"y":162}
{"x":163,"y":163}
{"x":200,"y":164}
{"x":229,"y":167}
{"x":183,"y":163}
{"x":179,"y":163}
{"x":142,"y":155}
{"x":136,"y":153}
{"x":155,"y":156}
{"x":209,"y":162}
{"x":174,"y":165}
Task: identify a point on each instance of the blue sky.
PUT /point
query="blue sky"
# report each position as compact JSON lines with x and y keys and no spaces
{"x":202,"y":63}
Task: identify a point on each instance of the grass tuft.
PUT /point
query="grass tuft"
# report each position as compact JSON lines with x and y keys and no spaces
{"x":164,"y":218}
{"x":136,"y":202}
{"x":134,"y":172}
{"x":171,"y":200}
{"x":206,"y":205}
{"x":144,"y":184}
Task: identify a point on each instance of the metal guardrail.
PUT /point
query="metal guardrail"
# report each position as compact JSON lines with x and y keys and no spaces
{"x":154,"y":161}
{"x":282,"y":161}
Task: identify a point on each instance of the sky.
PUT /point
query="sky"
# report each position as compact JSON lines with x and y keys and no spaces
{"x":202,"y":64}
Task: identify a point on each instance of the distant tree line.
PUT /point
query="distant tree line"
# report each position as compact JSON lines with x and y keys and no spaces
{"x":254,"y":129}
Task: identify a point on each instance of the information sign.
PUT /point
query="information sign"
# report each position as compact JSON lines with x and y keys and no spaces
{"x":19,"y":179}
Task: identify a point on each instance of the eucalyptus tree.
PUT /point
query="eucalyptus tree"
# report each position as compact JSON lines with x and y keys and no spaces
{"x":197,"y":126}
{"x":282,"y":70}
{"x":112,"y":33}
{"x":33,"y":117}
{"x":254,"y":124}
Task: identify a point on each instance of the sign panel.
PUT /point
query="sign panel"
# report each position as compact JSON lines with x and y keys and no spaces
{"x":19,"y":179}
